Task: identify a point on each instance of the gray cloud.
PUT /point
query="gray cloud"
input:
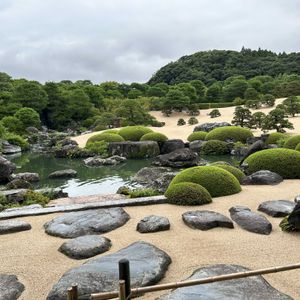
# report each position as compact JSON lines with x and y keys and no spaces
{"x":128,"y":40}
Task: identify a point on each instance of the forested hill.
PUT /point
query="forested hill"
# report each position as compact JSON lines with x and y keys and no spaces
{"x":217,"y":65}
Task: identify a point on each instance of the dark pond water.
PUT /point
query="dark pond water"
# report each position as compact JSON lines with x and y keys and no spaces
{"x":89,"y":181}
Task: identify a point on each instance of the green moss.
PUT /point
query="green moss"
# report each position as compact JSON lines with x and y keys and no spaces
{"x":106,"y":137}
{"x":98,"y":147}
{"x":17,"y":140}
{"x":134,"y":133}
{"x":275,"y":136}
{"x":115,"y":131}
{"x":137,"y":193}
{"x":285,"y":162}
{"x":197,"y":136}
{"x":237,"y":173}
{"x":32,"y":197}
{"x":235,"y":133}
{"x":292,"y":142}
{"x":187,"y":193}
{"x":154,"y":136}
{"x":298,"y":147}
{"x":215,"y":147}
{"x":217,"y":181}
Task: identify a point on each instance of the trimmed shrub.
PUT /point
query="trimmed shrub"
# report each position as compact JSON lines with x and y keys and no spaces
{"x":187,"y":193}
{"x":237,"y":173}
{"x":2,"y":131}
{"x":143,"y":193}
{"x":192,"y":121}
{"x":12,"y":124}
{"x":106,"y":137}
{"x":215,"y":113}
{"x":285,"y":162}
{"x":214,"y":147}
{"x":99,"y":148}
{"x":154,"y":136}
{"x":115,"y":131}
{"x":197,"y":136}
{"x":134,"y":133}
{"x":274,"y":137}
{"x":99,"y":128}
{"x":235,"y":133}
{"x":32,"y":197}
{"x":181,"y":122}
{"x":292,"y":142}
{"x":217,"y":181}
{"x":298,"y":147}
{"x":16,"y":139}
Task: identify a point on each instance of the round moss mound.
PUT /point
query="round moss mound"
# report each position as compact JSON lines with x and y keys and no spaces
{"x":292,"y":142}
{"x":235,"y":133}
{"x":217,"y":181}
{"x":285,"y":162}
{"x":237,"y":173}
{"x":197,"y":136}
{"x":187,"y":193}
{"x":134,"y":133}
{"x":154,"y":136}
{"x":106,"y":137}
{"x":274,"y":137}
{"x":298,"y":147}
{"x":215,"y":147}
{"x":115,"y":131}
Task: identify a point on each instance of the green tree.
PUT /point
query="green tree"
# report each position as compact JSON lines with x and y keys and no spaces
{"x":254,"y":104}
{"x":176,"y":100}
{"x":193,"y":110}
{"x":235,"y":89}
{"x":268,"y":100}
{"x":29,"y":117}
{"x":276,"y":119}
{"x":215,"y":113}
{"x":200,"y":89}
{"x":292,"y":105}
{"x":251,"y":94}
{"x":257,"y":119}
{"x":214,"y":93}
{"x":12,"y":124}
{"x":242,"y":117}
{"x":188,"y":90}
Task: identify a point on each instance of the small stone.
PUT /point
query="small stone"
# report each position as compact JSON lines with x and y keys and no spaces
{"x":30,"y":177}
{"x":153,"y":224}
{"x":11,"y":226}
{"x":277,"y":208}
{"x":263,"y":177}
{"x":69,"y":173}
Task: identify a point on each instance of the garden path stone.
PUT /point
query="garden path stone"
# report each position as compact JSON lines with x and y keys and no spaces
{"x":262,"y":177}
{"x":74,"y":224}
{"x":205,"y":219}
{"x":254,"y":288}
{"x":10,"y":287}
{"x":85,"y":246}
{"x":148,"y":265}
{"x":11,"y":226}
{"x":250,"y":221}
{"x":153,"y":224}
{"x":277,"y":208}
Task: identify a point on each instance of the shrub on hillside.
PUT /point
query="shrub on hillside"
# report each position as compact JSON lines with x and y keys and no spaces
{"x":154,"y":136}
{"x":133,"y":133}
{"x":28,"y":117}
{"x":98,"y":147}
{"x":285,"y":162}
{"x":237,"y":173}
{"x":275,"y":136}
{"x":17,"y":140}
{"x":107,"y":137}
{"x":214,"y":147}
{"x":292,"y":142}
{"x":12,"y":124}
{"x":181,"y":122}
{"x":187,"y":193}
{"x":2,"y":131}
{"x":235,"y":133}
{"x":197,"y":136}
{"x":215,"y":113}
{"x":217,"y":181}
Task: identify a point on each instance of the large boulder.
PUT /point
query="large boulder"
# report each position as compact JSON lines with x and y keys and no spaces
{"x":6,"y":169}
{"x":129,"y":149}
{"x":63,"y":152}
{"x":277,"y":208}
{"x":255,"y":147}
{"x":196,"y":146}
{"x":153,"y":224}
{"x":254,"y":288}
{"x":181,"y":158}
{"x":250,"y":221}
{"x":148,"y":266}
{"x":27,"y":176}
{"x":85,"y":246}
{"x":74,"y":224}
{"x":11,"y":226}
{"x":10,"y":287}
{"x":205,"y":220}
{"x":262,"y":177}
{"x":210,"y":126}
{"x":69,"y":173}
{"x":162,"y":182}
{"x":149,"y":174}
{"x":8,"y":148}
{"x":97,"y":161}
{"x":171,"y":145}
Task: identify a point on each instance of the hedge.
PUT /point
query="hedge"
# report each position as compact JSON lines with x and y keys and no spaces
{"x":235,"y":133}
{"x":215,"y":147}
{"x":217,"y":181}
{"x":292,"y":142}
{"x":106,"y":137}
{"x":285,"y":162}
{"x":196,"y":136}
{"x":187,"y":193}
{"x":134,"y":133}
{"x":154,"y":136}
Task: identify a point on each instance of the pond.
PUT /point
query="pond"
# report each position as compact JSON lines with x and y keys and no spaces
{"x":89,"y":181}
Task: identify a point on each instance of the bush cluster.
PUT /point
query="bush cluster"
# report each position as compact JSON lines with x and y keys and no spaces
{"x":99,"y":148}
{"x":16,"y":139}
{"x":154,"y":136}
{"x":235,"y":133}
{"x":285,"y":162}
{"x":197,"y":136}
{"x":137,"y":193}
{"x":217,"y":181}
{"x":133,"y":133}
{"x":187,"y":193}
{"x":214,"y":147}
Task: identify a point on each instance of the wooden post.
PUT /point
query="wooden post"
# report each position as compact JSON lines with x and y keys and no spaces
{"x":124,"y":274}
{"x":122,"y":292}
{"x":70,"y":294}
{"x":75,"y":291}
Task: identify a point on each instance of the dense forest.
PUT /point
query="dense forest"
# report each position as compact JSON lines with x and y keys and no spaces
{"x":218,"y":65}
{"x":83,"y":105}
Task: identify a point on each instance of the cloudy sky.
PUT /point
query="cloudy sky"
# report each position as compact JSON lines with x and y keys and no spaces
{"x":128,"y":40}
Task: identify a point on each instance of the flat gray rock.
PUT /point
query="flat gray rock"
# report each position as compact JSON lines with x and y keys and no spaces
{"x":205,"y":219}
{"x":250,"y":221}
{"x":11,"y":226}
{"x":148,"y":265}
{"x":277,"y":208}
{"x":10,"y":287}
{"x":250,"y":288}
{"x":74,"y":224}
{"x":27,"y":176}
{"x":69,"y":173}
{"x":262,"y":177}
{"x":153,"y":224}
{"x":85,"y":246}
